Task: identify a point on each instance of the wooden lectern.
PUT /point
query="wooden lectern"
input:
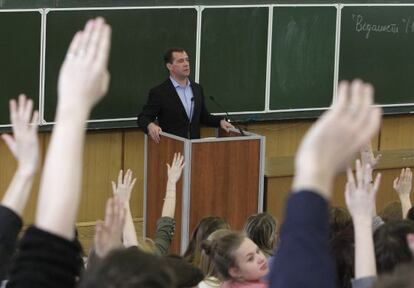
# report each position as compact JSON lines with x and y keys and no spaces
{"x":222,"y":176}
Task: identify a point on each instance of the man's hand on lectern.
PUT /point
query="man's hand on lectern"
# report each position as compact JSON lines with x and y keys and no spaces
{"x":226,"y":125}
{"x":154,"y":132}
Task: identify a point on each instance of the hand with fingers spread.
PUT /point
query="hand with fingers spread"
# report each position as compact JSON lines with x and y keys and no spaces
{"x":360,"y":198}
{"x":84,"y":77}
{"x":24,"y":143}
{"x":124,"y":187}
{"x":403,"y":185}
{"x":336,"y":137}
{"x":176,"y":168}
{"x":360,"y":195}
{"x":108,"y":233}
{"x":368,"y":157}
{"x":123,"y":190}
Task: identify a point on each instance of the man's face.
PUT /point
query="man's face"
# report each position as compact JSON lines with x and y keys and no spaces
{"x":180,"y":66}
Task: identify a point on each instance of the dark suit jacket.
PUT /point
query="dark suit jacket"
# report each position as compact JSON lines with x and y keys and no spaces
{"x":165,"y":105}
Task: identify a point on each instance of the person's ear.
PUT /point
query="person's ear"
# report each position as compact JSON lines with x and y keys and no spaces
{"x":410,"y":242}
{"x":234,"y":272}
{"x":169,"y":66}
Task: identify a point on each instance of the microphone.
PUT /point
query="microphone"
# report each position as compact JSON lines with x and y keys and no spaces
{"x":189,"y":118}
{"x":227,"y":114}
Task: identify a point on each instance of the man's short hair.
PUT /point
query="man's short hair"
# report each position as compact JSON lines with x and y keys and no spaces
{"x":168,"y":55}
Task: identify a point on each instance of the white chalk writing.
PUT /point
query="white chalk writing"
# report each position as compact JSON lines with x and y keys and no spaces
{"x":362,"y":26}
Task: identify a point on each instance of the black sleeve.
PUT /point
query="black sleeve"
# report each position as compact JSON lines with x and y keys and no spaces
{"x":150,"y":111}
{"x":206,"y":118}
{"x":45,"y":260}
{"x":10,"y":226}
{"x":303,"y":258}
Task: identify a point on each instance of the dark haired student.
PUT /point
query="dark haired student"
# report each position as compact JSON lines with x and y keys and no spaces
{"x":178,"y":103}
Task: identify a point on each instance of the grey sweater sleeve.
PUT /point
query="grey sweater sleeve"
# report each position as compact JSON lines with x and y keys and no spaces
{"x":365,"y":282}
{"x":376,"y":223}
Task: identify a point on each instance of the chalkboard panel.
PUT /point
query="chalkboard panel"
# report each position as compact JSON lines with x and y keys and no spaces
{"x":139,"y":39}
{"x":377,"y":45}
{"x":303,"y":57}
{"x":233,"y":57}
{"x":20,"y":37}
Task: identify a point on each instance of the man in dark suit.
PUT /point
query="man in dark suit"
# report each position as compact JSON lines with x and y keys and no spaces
{"x":177,"y":103}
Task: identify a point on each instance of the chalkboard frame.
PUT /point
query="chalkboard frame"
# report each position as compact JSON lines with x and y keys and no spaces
{"x":38,"y":97}
{"x":389,"y":109}
{"x":247,"y":116}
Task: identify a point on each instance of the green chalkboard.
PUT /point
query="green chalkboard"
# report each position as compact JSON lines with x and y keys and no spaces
{"x":233,"y":57}
{"x":139,"y":39}
{"x":303,"y":57}
{"x":20,"y":50}
{"x":377,"y":45}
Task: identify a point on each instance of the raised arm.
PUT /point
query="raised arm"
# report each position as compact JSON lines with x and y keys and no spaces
{"x":83,"y":81}
{"x":402,"y":185}
{"x":174,"y":174}
{"x":109,"y":232}
{"x":326,"y":149}
{"x":47,"y":256}
{"x":360,"y":197}
{"x":24,"y":145}
{"x":123,"y":190}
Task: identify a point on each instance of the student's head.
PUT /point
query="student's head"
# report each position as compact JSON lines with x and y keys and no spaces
{"x":203,"y":229}
{"x":236,"y":257}
{"x":391,"y":212}
{"x":128,"y":268}
{"x":391,"y":244}
{"x":342,"y":246}
{"x":339,"y":219}
{"x":206,"y":263}
{"x":261,"y":229}
{"x":410,"y":214}
{"x":401,"y":277}
{"x":177,"y":62}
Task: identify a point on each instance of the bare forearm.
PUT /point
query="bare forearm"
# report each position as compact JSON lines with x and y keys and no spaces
{"x":364,"y":249}
{"x":129,"y":233}
{"x":405,"y":205}
{"x":168,"y":209}
{"x":61,"y":182}
{"x":320,"y":181}
{"x":18,"y":192}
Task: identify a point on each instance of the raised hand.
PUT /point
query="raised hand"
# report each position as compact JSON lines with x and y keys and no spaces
{"x":108,"y":233}
{"x":403,"y":184}
{"x":360,"y":197}
{"x":176,"y":168}
{"x":24,"y":144}
{"x":84,"y":78}
{"x":124,"y":187}
{"x":333,"y":140}
{"x":360,"y":194}
{"x":367,"y":156}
